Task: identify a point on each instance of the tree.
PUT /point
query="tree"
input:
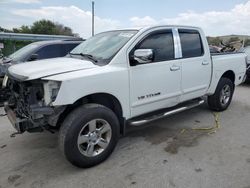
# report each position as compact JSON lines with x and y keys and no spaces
{"x":215,"y":41}
{"x":22,"y":29}
{"x":233,"y":39}
{"x":61,"y":29}
{"x":45,"y":27}
{"x":4,"y":30}
{"x":247,"y":42}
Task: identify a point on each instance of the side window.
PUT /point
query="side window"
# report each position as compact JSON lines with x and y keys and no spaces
{"x":191,"y":43}
{"x":68,"y":47}
{"x":49,"y":51}
{"x":162,"y":45}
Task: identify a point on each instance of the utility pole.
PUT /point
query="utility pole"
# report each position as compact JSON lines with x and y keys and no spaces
{"x":93,"y":18}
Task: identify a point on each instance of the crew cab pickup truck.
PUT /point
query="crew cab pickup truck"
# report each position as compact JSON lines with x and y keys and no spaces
{"x":117,"y":79}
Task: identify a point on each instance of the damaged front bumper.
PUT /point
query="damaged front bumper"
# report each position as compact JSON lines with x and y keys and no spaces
{"x":15,"y":121}
{"x":48,"y":117}
{"x":28,"y":108}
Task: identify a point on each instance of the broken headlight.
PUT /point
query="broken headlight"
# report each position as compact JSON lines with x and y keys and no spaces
{"x":51,"y":89}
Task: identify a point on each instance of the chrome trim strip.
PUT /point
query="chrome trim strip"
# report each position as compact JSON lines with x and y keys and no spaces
{"x":168,"y":113}
{"x":177,"y":43}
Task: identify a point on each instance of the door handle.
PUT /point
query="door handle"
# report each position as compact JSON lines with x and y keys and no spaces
{"x":205,"y":62}
{"x":175,"y":68}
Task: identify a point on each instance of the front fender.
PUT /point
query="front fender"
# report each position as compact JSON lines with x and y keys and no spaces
{"x":76,"y":88}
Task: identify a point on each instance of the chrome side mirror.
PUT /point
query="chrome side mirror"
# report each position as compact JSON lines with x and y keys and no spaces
{"x":144,"y":55}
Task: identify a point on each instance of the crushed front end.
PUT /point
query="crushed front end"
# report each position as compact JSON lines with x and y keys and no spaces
{"x":29,"y":106}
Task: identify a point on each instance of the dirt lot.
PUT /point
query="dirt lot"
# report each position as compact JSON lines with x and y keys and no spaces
{"x":168,"y":153}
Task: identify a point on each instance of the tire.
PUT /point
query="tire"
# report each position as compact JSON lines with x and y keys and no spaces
{"x":80,"y":144}
{"x":215,"y":101}
{"x":247,"y":81}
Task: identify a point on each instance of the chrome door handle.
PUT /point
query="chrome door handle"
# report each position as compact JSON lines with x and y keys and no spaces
{"x":205,"y":62}
{"x":175,"y":68}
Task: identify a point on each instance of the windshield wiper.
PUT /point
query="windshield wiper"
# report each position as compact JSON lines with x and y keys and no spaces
{"x":89,"y":56}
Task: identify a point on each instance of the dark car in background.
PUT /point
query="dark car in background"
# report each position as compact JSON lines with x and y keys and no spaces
{"x":32,"y":52}
{"x":37,"y":51}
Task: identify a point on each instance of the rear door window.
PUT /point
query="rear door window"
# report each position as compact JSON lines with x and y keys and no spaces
{"x":191,"y":43}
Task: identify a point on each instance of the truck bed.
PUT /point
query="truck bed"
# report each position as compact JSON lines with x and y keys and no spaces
{"x":234,"y":62}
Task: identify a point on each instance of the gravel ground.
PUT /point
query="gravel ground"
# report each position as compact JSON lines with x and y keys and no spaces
{"x":166,"y":153}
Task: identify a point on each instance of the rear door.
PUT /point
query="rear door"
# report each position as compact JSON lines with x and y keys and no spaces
{"x":157,"y":84}
{"x":195,"y":63}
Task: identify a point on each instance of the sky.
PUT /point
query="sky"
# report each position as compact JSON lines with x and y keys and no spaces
{"x":216,"y":17}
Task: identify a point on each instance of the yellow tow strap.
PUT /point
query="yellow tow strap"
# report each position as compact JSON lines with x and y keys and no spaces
{"x":210,"y":130}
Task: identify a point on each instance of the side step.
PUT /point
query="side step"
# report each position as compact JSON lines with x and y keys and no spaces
{"x":137,"y":121}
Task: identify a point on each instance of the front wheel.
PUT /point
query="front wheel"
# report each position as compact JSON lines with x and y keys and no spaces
{"x":89,"y":135}
{"x":223,"y":95}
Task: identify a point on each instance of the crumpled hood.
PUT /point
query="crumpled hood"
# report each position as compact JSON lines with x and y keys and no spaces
{"x":43,"y":68}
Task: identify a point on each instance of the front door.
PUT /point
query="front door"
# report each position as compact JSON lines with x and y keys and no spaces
{"x":157,"y":84}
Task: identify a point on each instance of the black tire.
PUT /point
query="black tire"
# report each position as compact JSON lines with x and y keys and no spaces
{"x":72,"y":126}
{"x":247,"y":81}
{"x":214,"y":101}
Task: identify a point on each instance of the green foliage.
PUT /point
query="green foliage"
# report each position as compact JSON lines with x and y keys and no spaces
{"x":215,"y":41}
{"x":22,"y":29}
{"x":247,"y":42}
{"x":233,"y":39}
{"x":61,"y":29}
{"x":39,"y":27}
{"x":45,"y":27}
{"x":10,"y":46}
{"x":5,"y":30}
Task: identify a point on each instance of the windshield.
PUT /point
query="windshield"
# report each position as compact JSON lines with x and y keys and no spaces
{"x":105,"y":45}
{"x":21,"y":53}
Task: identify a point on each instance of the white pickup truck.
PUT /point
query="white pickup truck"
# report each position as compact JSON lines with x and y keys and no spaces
{"x":116,"y":79}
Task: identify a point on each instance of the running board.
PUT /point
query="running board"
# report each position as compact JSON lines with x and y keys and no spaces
{"x":179,"y":108}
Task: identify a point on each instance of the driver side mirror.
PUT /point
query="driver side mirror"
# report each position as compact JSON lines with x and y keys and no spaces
{"x":143,"y":55}
{"x":33,"y":57}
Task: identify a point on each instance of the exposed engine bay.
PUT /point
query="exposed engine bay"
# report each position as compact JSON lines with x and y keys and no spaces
{"x":28,"y":104}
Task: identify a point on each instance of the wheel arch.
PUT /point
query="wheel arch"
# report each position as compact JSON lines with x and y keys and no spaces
{"x":105,"y":99}
{"x":217,"y":77}
{"x":230,"y":75}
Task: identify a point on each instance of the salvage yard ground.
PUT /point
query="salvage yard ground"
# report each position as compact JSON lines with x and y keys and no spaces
{"x":168,"y":153}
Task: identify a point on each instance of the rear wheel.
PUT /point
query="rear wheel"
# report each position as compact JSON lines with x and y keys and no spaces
{"x":89,"y":135}
{"x":222,"y":97}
